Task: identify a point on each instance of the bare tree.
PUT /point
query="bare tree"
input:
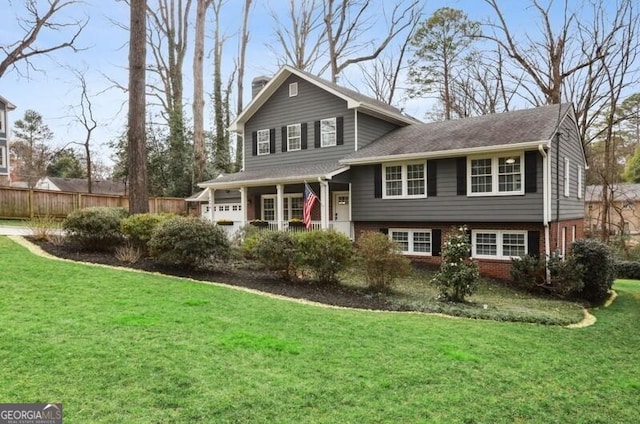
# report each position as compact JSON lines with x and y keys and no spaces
{"x":199,"y":149}
{"x":221,"y":160}
{"x":37,"y":22}
{"x":242,"y":52}
{"x":136,"y":145}
{"x":168,"y":40}
{"x":84,"y":116}
{"x":346,"y":22}
{"x":303,"y":37}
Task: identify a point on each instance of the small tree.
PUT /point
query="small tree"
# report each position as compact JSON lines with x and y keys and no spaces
{"x":381,"y":260}
{"x":458,"y":275}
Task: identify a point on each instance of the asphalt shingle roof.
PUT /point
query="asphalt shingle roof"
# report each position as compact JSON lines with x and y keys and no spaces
{"x":520,"y":126}
{"x":79,"y":185}
{"x":620,"y":192}
{"x":298,"y":172}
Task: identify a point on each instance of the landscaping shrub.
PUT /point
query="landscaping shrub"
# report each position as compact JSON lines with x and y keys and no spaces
{"x":326,"y":253}
{"x":188,"y":242}
{"x":381,"y":260}
{"x":138,"y":228}
{"x":628,"y":269}
{"x":245,"y":238}
{"x":599,"y":269}
{"x":458,"y":275}
{"x":565,"y":279}
{"x":277,"y":251}
{"x":44,"y":228}
{"x":95,"y":228}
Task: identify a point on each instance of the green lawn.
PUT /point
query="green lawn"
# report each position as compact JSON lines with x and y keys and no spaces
{"x":124,"y":347}
{"x":14,"y":223}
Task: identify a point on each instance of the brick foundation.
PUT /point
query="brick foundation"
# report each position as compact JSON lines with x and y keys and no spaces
{"x":494,"y":268}
{"x":556,"y":231}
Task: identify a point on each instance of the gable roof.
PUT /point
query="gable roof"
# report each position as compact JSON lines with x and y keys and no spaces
{"x":79,"y":185}
{"x":354,"y":99}
{"x":8,"y":104}
{"x":515,"y":129}
{"x":276,"y":175}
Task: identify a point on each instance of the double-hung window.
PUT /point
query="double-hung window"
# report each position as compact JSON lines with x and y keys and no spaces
{"x":498,"y":244}
{"x":2,"y":121}
{"x":291,"y":207}
{"x":328,"y":132}
{"x":3,"y":157}
{"x":269,"y":208}
{"x":264,"y":142}
{"x":412,"y":241}
{"x":293,"y":137}
{"x":495,"y":175}
{"x":404,"y":180}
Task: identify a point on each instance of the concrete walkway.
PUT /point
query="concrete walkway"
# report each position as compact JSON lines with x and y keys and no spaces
{"x":14,"y":231}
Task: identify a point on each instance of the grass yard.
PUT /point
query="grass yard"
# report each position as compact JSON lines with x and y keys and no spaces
{"x":123,"y":347}
{"x":14,"y":223}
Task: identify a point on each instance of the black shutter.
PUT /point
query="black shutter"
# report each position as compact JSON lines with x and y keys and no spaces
{"x":461,"y":175}
{"x":530,"y":171}
{"x":533,"y":243}
{"x":377,"y":181}
{"x":384,"y":231}
{"x":303,"y":136}
{"x":339,"y":130}
{"x":254,"y":143}
{"x":316,"y":134}
{"x":436,"y":242}
{"x":272,"y":140}
{"x":432,"y":178}
{"x":257,"y":205}
{"x":284,"y":139}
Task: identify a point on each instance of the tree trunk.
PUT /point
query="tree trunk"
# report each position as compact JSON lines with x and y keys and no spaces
{"x":138,"y":197}
{"x":199,"y":150}
{"x":244,"y":40}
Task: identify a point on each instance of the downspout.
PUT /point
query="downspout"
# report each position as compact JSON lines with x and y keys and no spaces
{"x":545,"y":208}
{"x":355,"y":118}
{"x":557,"y":188}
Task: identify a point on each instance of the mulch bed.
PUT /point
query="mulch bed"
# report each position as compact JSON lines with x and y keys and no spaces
{"x":239,"y":274}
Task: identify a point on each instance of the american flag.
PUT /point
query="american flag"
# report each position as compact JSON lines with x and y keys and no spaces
{"x":308,"y":201}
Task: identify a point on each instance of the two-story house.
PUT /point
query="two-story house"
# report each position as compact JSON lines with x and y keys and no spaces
{"x":515,"y":179}
{"x":5,"y":107}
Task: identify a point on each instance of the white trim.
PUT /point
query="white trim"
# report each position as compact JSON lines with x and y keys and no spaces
{"x":355,"y":131}
{"x":563,"y":244}
{"x":410,"y":240}
{"x":275,"y":197}
{"x":495,"y":175}
{"x":299,"y":137}
{"x":3,"y":157}
{"x":293,"y":89}
{"x":268,"y":141}
{"x":404,"y":180}
{"x":573,"y":233}
{"x":438,"y":154}
{"x":567,"y":177}
{"x":579,"y":182}
{"x":3,"y":120}
{"x":272,"y":181}
{"x":499,"y":243}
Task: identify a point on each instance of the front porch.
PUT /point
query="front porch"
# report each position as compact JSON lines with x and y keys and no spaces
{"x":280,"y":207}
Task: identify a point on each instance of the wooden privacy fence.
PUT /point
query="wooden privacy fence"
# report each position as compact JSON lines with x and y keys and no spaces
{"x":16,"y":203}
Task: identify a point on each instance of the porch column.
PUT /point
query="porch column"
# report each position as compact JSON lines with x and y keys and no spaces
{"x":243,"y":205}
{"x":324,"y":205}
{"x":280,"y":206}
{"x":212,"y":203}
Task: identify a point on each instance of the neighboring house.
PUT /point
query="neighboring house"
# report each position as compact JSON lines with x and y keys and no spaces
{"x":5,"y":108}
{"x":624,"y":210}
{"x":515,"y":179}
{"x":79,"y":185}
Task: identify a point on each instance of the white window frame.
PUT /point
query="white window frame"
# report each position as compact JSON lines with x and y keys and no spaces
{"x":579,"y":182}
{"x":563,"y":244}
{"x":499,"y":243}
{"x":290,"y":138}
{"x":567,"y":177}
{"x":495,"y":176}
{"x":286,"y":207}
{"x":261,"y":141}
{"x":324,"y":133}
{"x":405,"y":180}
{"x":3,"y":122}
{"x":410,"y":238}
{"x":3,"y":157}
{"x":293,"y":89}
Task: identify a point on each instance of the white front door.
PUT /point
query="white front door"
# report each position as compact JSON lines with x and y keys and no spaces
{"x":341,"y":213}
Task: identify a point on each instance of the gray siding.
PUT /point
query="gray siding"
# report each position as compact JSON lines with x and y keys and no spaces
{"x":570,"y":147}
{"x":310,"y":105}
{"x":227,"y":196}
{"x":371,"y":128}
{"x":447,"y":206}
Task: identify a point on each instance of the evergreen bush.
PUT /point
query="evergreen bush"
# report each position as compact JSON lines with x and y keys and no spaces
{"x":95,"y":228}
{"x":381,"y":260}
{"x":326,"y":253}
{"x":458,"y":276}
{"x":599,"y":269}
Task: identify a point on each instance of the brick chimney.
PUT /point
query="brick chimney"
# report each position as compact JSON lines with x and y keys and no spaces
{"x":257,"y":84}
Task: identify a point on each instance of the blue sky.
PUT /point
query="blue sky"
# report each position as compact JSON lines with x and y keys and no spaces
{"x":53,"y":91}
